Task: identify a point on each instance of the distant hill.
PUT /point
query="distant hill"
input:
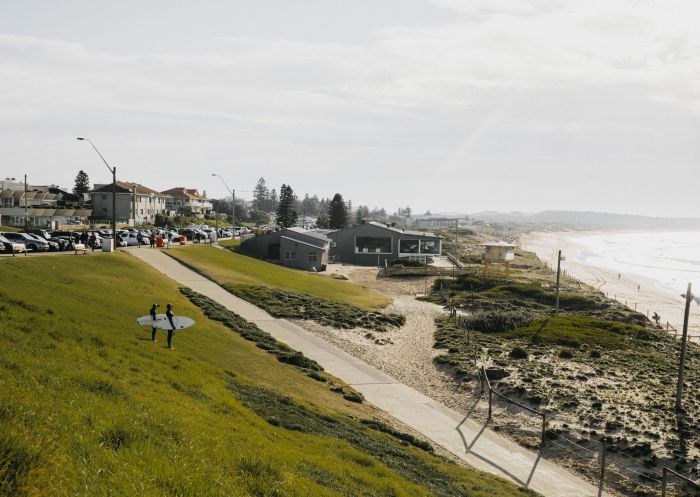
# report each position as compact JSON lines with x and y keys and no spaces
{"x":588,"y":220}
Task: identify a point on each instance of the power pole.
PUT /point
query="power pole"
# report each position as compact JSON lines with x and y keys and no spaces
{"x":558,"y":274}
{"x":26,"y":211}
{"x":684,"y":340}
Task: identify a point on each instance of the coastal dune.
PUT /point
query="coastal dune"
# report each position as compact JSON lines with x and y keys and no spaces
{"x":634,"y":289}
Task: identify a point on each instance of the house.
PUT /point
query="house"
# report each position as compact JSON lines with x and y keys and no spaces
{"x":498,"y":252}
{"x":135,"y":204}
{"x":182,"y":199}
{"x":292,"y":247}
{"x":375,"y":244}
{"x":39,"y":206}
{"x":436,"y":222}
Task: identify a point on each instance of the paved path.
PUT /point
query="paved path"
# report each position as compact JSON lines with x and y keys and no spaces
{"x":478,"y":446}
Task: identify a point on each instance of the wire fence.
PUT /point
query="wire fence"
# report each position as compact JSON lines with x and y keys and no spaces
{"x":625,"y":472}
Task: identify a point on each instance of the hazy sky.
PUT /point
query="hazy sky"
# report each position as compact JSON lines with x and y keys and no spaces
{"x":446,"y":105}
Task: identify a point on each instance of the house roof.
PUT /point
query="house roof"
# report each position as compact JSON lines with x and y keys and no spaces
{"x":497,"y":243}
{"x":182,"y":192}
{"x":126,"y":186}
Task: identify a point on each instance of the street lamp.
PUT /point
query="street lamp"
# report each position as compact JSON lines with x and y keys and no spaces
{"x":233,"y":200}
{"x":112,"y":170}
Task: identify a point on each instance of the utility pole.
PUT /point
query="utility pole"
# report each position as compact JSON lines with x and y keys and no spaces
{"x":558,"y":274}
{"x":26,"y":211}
{"x":684,"y":340}
{"x":113,"y":170}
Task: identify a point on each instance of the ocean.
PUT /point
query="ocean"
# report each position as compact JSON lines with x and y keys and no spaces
{"x":671,"y":259}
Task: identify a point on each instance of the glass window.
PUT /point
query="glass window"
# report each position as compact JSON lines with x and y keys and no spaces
{"x":290,"y":255}
{"x":408,"y":246}
{"x":373,"y":245}
{"x":313,"y":257}
{"x":429,"y":247}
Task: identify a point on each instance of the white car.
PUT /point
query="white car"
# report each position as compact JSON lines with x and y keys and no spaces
{"x":131,"y":238}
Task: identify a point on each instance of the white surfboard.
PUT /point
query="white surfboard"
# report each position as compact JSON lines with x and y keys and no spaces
{"x":162,"y":322}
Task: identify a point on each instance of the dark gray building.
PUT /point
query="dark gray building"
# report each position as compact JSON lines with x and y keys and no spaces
{"x":292,"y":247}
{"x":373,"y":243}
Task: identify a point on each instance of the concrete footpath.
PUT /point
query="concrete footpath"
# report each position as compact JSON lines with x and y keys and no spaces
{"x":479,"y":446}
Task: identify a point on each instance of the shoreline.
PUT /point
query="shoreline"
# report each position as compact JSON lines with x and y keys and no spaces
{"x":632,"y":290}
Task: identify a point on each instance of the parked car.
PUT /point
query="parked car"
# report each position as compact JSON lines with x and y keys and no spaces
{"x":10,"y":247}
{"x":131,"y":238}
{"x":33,"y":244}
{"x":53,"y":246}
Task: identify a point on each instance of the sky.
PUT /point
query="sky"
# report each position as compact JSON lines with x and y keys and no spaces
{"x":441,"y":105}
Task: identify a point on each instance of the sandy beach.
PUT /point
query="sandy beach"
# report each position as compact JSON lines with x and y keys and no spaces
{"x":636,"y":291}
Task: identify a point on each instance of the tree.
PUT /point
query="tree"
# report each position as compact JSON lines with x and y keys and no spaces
{"x":82,"y":184}
{"x":273,"y":200}
{"x":322,"y":221}
{"x":362,"y":214}
{"x":338,"y":213}
{"x":261,"y":196}
{"x":286,"y":215}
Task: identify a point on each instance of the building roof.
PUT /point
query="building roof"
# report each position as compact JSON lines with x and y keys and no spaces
{"x":497,"y":243}
{"x":183,"y":192}
{"x":404,"y":232}
{"x":311,"y":233}
{"x":297,"y":240}
{"x":127,"y":186}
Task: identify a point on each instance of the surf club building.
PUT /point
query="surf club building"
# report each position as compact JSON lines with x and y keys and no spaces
{"x":376,"y":244}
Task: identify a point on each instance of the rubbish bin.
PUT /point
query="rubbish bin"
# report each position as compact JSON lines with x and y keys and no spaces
{"x":159,"y":242}
{"x":183,"y":239}
{"x":107,"y":245}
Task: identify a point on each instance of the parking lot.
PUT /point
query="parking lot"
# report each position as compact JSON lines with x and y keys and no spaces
{"x":40,"y":242}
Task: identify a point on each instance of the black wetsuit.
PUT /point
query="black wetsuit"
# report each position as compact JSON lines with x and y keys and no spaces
{"x":154,"y":309}
{"x":170,"y":315}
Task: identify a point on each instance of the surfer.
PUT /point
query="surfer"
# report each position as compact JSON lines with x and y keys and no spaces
{"x":153,"y":312}
{"x":170,"y":315}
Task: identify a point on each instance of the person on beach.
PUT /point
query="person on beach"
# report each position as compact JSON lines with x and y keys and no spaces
{"x":153,"y":312}
{"x":152,"y":239}
{"x":170,"y":315}
{"x":93,"y":241}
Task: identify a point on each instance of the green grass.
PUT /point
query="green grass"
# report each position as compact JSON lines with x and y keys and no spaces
{"x":226,"y":267}
{"x":575,"y":331}
{"x":10,"y":229}
{"x":90,"y":406}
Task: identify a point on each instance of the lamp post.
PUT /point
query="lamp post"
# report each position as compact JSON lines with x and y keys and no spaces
{"x":689,"y":297}
{"x":233,"y":200}
{"x":112,"y":170}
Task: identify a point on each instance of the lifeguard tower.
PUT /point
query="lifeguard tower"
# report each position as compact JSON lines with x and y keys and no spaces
{"x":498,"y":252}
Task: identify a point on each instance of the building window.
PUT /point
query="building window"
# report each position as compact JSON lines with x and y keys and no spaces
{"x":372,"y":245}
{"x":290,"y":255}
{"x":104,"y":197}
{"x":408,"y":246}
{"x":429,"y":247}
{"x":313,"y":256}
{"x":104,"y":209}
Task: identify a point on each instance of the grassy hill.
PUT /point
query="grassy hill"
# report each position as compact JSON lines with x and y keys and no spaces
{"x":226,"y":267}
{"x":90,"y":406}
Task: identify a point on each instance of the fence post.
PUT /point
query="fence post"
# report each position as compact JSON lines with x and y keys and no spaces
{"x":663,"y":482}
{"x":544,"y":428}
{"x":602,"y":469}
{"x":490,"y":400}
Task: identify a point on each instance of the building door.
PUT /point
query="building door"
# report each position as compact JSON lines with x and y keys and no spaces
{"x":273,"y":251}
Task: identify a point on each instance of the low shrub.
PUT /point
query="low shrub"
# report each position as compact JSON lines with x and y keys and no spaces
{"x":498,"y":321}
{"x":518,"y":353}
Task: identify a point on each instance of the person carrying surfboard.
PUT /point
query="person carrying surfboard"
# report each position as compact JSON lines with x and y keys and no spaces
{"x":153,"y":313}
{"x":170,"y":315}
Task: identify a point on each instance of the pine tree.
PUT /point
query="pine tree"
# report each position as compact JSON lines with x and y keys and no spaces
{"x":261,"y":196}
{"x":273,"y":200}
{"x":82,"y":184}
{"x":286,"y":215}
{"x":337,"y":212}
